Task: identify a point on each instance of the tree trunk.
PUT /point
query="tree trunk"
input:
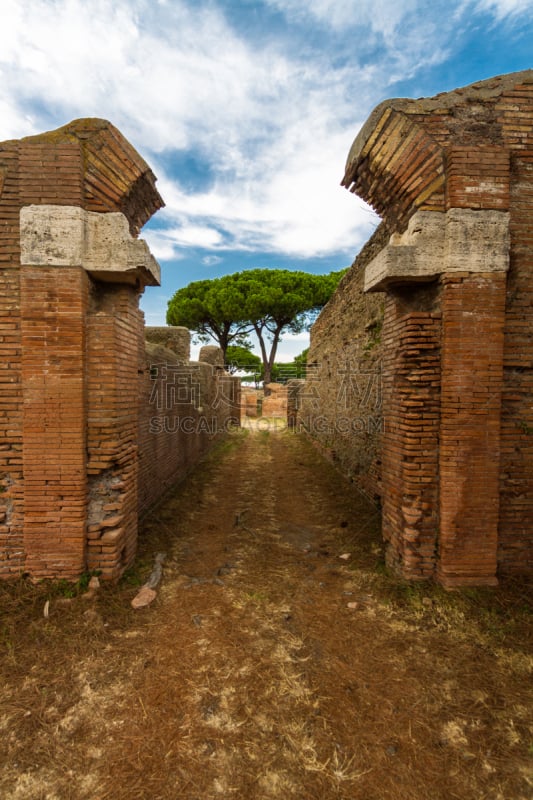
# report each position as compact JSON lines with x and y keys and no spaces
{"x":268,"y":359}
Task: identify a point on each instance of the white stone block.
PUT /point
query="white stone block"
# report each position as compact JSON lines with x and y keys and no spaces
{"x":100,"y":243}
{"x":477,"y":241}
{"x":52,"y":235}
{"x":462,"y":240}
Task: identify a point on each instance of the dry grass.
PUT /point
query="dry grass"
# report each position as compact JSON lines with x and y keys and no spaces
{"x":251,"y":676}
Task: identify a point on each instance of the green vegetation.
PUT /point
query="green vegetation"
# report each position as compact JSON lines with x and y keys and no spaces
{"x":374,"y":335}
{"x":268,"y":302}
{"x":239,"y":358}
{"x":64,"y":588}
{"x":243,"y":360}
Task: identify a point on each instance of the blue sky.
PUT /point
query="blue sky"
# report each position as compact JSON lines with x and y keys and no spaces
{"x":246,"y":110}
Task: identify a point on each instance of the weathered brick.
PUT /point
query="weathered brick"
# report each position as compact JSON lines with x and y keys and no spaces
{"x":456,"y":453}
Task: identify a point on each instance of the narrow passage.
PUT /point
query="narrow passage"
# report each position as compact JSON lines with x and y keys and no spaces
{"x":276,"y":661}
{"x":275,"y":671}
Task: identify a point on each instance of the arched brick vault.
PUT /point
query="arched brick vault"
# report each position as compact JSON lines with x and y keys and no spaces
{"x":432,"y":153}
{"x":95,"y":166}
{"x":396,"y":167}
{"x":452,"y":178}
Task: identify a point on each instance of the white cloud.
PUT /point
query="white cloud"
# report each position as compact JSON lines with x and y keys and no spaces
{"x":286,"y":199}
{"x":291,"y":345}
{"x":161,"y":247}
{"x":302,"y":213}
{"x":160,"y":78}
{"x":379,"y":15}
{"x":189,"y":235}
{"x":505,"y":8}
{"x":272,"y":127}
{"x":272,"y":122}
{"x":386,"y":17}
{"x":14,"y":123}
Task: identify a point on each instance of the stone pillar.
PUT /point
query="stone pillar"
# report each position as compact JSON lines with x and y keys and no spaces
{"x":174,"y":338}
{"x":211,"y":354}
{"x":295,"y":387}
{"x":80,"y":360}
{"x":473,"y":321}
{"x":441,"y":446}
{"x":451,"y":176}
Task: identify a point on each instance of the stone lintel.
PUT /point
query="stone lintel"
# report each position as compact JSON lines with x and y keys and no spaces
{"x":461,"y":240}
{"x":395,"y":265}
{"x":64,"y":236}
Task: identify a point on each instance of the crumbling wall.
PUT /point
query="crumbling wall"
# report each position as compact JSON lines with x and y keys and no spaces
{"x":250,"y":402}
{"x":184,"y":407}
{"x":275,"y":403}
{"x":452,"y":178}
{"x":410,"y":442}
{"x":340,"y":404}
{"x":114,"y":333}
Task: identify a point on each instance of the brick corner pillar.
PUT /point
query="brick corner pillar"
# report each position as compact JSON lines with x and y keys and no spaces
{"x":473,"y":320}
{"x":76,"y":386}
{"x":73,"y":203}
{"x":406,"y":270}
{"x":450,"y":175}
{"x":53,"y":303}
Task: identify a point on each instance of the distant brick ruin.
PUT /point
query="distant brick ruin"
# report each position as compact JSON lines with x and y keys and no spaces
{"x":94,"y":424}
{"x":421,"y":377}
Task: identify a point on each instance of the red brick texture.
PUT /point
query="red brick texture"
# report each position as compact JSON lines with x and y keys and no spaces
{"x":457,"y":355}
{"x":473,"y":316}
{"x":11,"y":485}
{"x":50,"y":173}
{"x":73,"y":373}
{"x":477,"y":176}
{"x":114,"y":337}
{"x":184,"y":409}
{"x":53,"y":307}
{"x":515,"y":543}
{"x":411,"y":415}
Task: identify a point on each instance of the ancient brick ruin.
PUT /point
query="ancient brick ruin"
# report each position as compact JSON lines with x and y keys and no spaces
{"x":94,"y":424}
{"x":421,"y":384}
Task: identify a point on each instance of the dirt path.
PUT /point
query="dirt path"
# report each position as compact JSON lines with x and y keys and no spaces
{"x":277,"y":661}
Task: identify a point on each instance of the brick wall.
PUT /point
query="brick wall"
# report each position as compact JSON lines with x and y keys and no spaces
{"x":473,"y":315}
{"x":452,"y":177}
{"x":515,"y":546}
{"x":11,"y":491}
{"x":411,"y":415}
{"x":75,"y":376}
{"x":340,"y":405}
{"x":53,"y":308}
{"x":184,"y":408}
{"x":114,"y":332}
